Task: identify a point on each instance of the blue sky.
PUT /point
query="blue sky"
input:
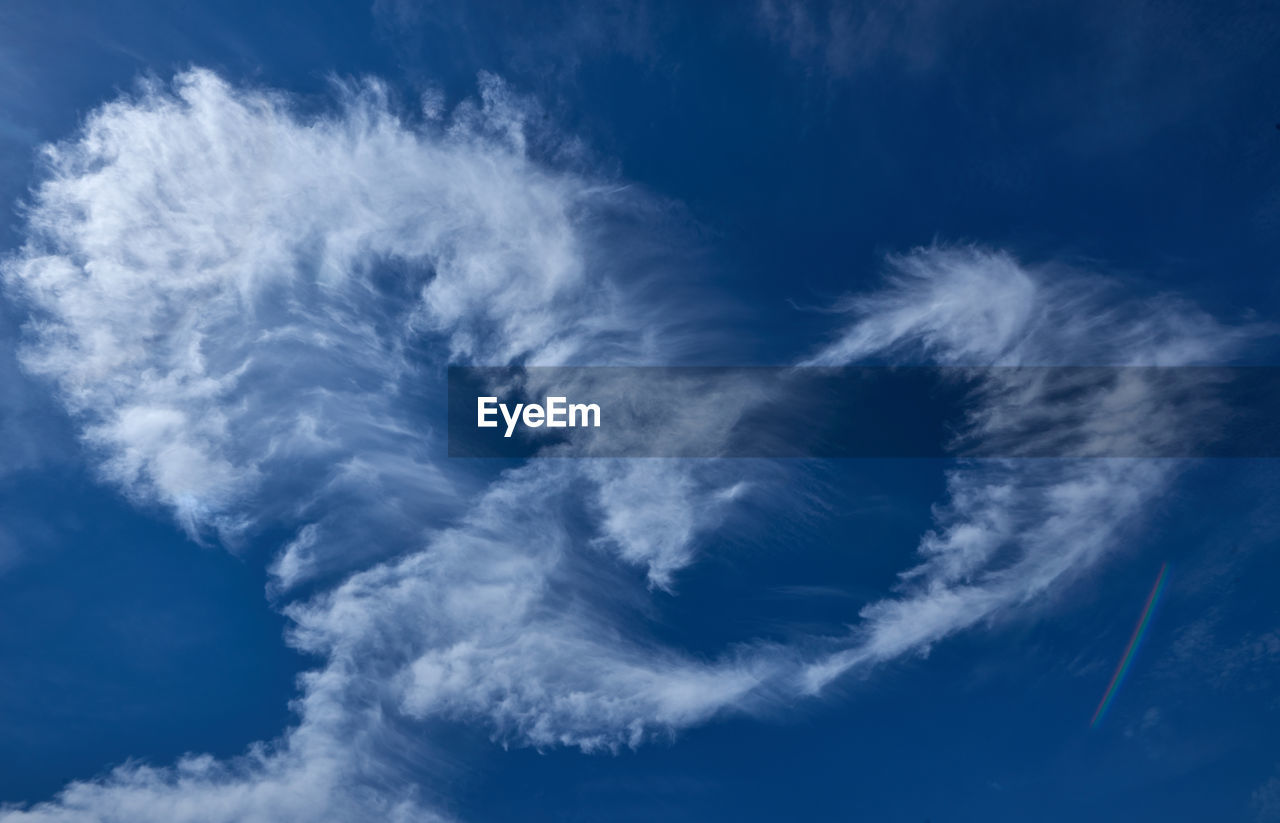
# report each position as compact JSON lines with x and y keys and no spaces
{"x":240,"y":580}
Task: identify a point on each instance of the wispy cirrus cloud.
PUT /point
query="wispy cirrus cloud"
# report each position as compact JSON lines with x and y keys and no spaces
{"x":248,"y":310}
{"x":843,"y":38}
{"x":1265,"y":800}
{"x":1013,"y":530}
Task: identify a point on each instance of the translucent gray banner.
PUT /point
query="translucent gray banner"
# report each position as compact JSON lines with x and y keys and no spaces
{"x":991,"y":412}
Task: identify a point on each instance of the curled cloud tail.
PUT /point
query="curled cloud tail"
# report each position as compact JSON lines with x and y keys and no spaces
{"x":1013,"y":530}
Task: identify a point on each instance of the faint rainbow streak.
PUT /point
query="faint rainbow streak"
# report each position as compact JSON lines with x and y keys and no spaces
{"x":1135,"y":641}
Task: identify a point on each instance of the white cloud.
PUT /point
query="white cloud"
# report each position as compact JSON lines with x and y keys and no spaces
{"x":248,"y":310}
{"x":489,"y":623}
{"x":1012,"y":530}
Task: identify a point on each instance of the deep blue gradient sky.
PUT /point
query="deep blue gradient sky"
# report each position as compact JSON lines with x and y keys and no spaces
{"x":796,"y":146}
